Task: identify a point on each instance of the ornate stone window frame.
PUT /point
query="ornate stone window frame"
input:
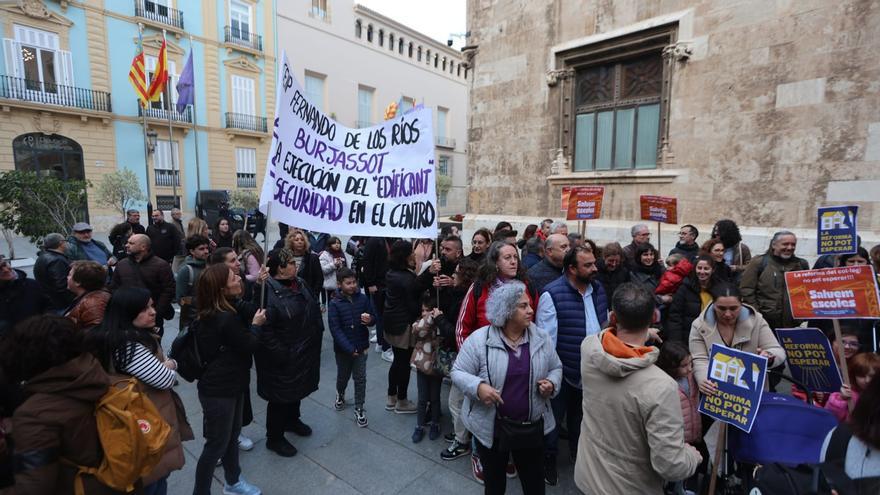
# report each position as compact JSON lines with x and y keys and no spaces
{"x":660,"y":34}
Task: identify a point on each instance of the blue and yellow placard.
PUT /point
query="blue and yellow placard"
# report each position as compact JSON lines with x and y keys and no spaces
{"x":837,"y":230}
{"x":810,"y":358}
{"x":740,"y":379}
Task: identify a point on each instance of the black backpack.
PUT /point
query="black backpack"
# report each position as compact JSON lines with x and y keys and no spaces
{"x":185,"y":350}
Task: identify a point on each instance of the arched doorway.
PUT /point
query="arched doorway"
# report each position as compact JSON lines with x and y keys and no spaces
{"x":52,"y":155}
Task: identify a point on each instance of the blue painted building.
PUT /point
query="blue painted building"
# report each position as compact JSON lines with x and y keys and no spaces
{"x":70,"y":110}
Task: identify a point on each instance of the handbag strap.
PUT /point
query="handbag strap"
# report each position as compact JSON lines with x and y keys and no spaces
{"x":488,"y":374}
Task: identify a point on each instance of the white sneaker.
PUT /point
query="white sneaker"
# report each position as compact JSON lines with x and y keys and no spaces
{"x":241,"y":488}
{"x":388,"y":355}
{"x":378,"y":348}
{"x":245,"y":443}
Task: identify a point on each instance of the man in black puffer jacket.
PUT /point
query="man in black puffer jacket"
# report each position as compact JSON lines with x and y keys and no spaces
{"x":289,"y":356}
{"x":51,"y":271}
{"x":20,"y":297}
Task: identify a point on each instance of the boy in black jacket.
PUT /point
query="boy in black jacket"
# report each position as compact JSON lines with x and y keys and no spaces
{"x":349,"y":314}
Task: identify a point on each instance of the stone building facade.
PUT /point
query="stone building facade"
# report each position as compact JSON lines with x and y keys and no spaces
{"x":756,"y":110}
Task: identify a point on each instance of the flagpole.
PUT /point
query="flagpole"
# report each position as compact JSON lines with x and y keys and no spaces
{"x":144,"y":125}
{"x":195,"y":132}
{"x":170,"y":132}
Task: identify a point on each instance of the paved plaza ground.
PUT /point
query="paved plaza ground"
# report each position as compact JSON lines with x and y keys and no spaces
{"x":340,"y":458}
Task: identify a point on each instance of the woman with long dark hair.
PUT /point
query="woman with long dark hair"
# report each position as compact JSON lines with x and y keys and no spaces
{"x":690,"y":300}
{"x":127,"y":343}
{"x":646,"y":269}
{"x":222,"y":233}
{"x":250,"y":254}
{"x":332,"y":259}
{"x":480,"y":242}
{"x":401,"y":310}
{"x":227,"y":335}
{"x":736,"y":254}
{"x":714,"y":249}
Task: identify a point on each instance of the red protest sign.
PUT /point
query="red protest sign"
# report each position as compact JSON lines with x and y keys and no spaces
{"x":566,"y":191}
{"x":845,"y":292}
{"x":659,"y":208}
{"x":585,"y":203}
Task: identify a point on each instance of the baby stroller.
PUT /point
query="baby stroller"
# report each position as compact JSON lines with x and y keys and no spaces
{"x":786,"y":433}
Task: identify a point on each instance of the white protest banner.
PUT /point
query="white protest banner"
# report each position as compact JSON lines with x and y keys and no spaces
{"x":323,"y":176}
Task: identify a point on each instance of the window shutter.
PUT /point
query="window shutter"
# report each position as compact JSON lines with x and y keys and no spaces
{"x":243,"y":95}
{"x":246,"y":160}
{"x":12,"y":57}
{"x":66,"y":68}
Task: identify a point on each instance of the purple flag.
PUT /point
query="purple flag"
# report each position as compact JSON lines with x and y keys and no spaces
{"x":185,"y":85}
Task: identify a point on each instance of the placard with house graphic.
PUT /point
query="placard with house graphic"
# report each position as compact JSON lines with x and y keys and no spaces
{"x":837,"y":230}
{"x":740,"y":378}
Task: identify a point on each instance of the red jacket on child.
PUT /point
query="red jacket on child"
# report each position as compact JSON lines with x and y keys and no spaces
{"x":672,"y":278}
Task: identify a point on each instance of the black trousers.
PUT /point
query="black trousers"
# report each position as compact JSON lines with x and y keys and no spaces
{"x":280,"y":415}
{"x":222,"y":424}
{"x":529,"y":464}
{"x":398,"y":373}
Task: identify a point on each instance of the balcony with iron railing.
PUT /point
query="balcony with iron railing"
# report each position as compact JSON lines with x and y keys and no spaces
{"x":164,"y":178}
{"x":158,"y":13}
{"x":246,"y":180}
{"x":244,"y":122}
{"x":165,"y":115}
{"x":16,"y":88}
{"x":444,"y":142}
{"x":243,"y":39}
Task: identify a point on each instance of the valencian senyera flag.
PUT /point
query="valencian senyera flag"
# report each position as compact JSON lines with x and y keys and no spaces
{"x":160,"y":75}
{"x":137,"y":76}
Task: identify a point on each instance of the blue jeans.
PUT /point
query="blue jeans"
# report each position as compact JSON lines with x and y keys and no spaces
{"x":568,"y":403}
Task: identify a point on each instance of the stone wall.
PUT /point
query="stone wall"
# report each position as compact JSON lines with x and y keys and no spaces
{"x":773,"y":113}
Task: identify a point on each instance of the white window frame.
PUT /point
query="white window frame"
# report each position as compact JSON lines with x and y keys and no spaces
{"x":320,"y":100}
{"x":40,"y":40}
{"x":245,"y":163}
{"x":448,"y":161}
{"x":244,"y":36}
{"x":407,"y":101}
{"x":244,"y":95}
{"x":366,"y":120}
{"x":443,"y":126}
{"x":162,"y":155}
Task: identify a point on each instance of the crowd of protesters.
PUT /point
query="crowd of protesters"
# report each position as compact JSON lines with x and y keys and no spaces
{"x":542,"y":339}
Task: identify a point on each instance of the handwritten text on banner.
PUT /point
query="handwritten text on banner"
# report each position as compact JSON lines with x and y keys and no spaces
{"x":323,"y":176}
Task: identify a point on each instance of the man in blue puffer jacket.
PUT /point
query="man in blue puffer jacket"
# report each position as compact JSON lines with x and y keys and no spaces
{"x":572,"y":307}
{"x":349,"y":314}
